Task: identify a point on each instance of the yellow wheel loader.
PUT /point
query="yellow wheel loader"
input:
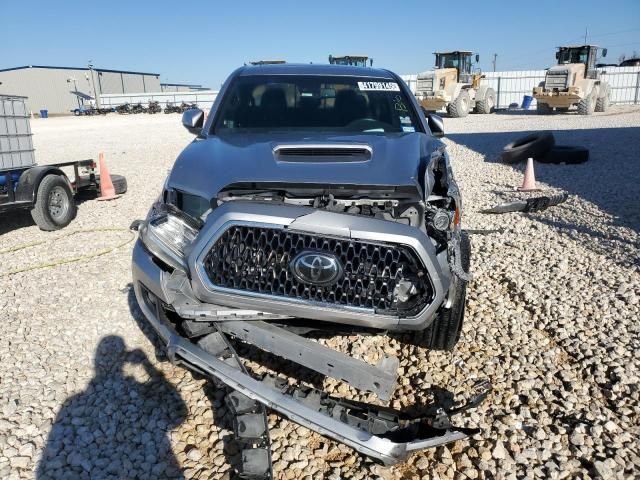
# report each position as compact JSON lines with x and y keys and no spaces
{"x":453,"y":85}
{"x":574,"y":81}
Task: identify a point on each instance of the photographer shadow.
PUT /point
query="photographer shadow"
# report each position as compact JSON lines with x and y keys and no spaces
{"x":117,"y":427}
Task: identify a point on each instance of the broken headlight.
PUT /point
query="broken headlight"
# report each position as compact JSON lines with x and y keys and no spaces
{"x":168,"y":233}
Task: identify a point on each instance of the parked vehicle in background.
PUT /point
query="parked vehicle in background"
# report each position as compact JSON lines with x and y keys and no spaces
{"x":171,"y":108}
{"x":630,"y":62}
{"x":575,"y":80}
{"x":90,"y":110}
{"x":154,"y":107}
{"x":45,"y":190}
{"x":124,"y":109}
{"x":317,"y":198}
{"x":138,"y":108}
{"x":453,"y":85}
{"x":187,"y":106}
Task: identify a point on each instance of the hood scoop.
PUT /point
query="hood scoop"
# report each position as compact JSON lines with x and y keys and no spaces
{"x":322,"y":153}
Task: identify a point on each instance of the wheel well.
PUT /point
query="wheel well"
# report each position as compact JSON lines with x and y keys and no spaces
{"x":30,"y":180}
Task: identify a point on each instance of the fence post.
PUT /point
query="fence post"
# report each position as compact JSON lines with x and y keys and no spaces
{"x":498,"y":94}
{"x":635,"y":100}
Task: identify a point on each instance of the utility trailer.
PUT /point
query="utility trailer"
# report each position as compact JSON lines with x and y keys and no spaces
{"x":45,"y":190}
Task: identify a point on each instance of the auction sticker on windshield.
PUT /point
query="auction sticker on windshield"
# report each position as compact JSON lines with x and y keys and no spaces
{"x":379,"y":86}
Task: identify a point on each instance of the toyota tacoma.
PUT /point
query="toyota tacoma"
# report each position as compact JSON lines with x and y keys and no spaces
{"x":314,"y":197}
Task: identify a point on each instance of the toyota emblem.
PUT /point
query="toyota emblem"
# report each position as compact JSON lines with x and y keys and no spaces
{"x":316,"y":268}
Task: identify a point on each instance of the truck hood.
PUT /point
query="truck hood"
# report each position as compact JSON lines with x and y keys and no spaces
{"x":209,"y":165}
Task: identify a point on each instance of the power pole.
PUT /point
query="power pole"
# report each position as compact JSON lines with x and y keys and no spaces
{"x":586,"y":32}
{"x":93,"y":84}
{"x":495,"y":58}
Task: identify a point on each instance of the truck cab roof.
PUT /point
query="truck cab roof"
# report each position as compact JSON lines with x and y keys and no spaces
{"x":315,"y":69}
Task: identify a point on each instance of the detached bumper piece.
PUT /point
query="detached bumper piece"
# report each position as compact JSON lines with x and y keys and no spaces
{"x":384,"y":434}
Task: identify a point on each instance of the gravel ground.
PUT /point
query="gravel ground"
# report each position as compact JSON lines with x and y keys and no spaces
{"x":552,"y":322}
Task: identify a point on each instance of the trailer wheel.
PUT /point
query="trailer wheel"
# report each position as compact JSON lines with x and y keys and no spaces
{"x":460,"y":106}
{"x":54,"y":208}
{"x":488,"y":103}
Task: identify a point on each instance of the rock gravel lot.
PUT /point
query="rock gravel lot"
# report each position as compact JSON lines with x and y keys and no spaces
{"x":552,"y":321}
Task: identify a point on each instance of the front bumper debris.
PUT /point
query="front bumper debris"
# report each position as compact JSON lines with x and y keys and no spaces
{"x":383,"y":434}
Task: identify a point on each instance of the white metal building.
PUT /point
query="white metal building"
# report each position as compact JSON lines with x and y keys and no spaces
{"x":181,"y":87}
{"x":62,"y":89}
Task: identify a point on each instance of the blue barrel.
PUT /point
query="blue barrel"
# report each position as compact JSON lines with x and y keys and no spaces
{"x":526,"y":102}
{"x":15,"y":177}
{"x":44,"y":113}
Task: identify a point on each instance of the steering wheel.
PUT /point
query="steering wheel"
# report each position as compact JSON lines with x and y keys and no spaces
{"x":364,"y":124}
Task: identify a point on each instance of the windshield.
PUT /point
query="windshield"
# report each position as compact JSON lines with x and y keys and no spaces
{"x":573,"y":55}
{"x":260,"y":103}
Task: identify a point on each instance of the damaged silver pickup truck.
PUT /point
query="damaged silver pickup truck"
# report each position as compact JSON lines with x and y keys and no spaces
{"x":314,"y":197}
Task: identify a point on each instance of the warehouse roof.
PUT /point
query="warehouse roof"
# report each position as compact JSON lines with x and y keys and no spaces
{"x":77,"y":68}
{"x":181,"y":85}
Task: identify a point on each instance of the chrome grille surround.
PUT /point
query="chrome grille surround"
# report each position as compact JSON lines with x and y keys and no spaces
{"x":310,"y":220}
{"x":258,"y":259}
{"x":556,"y":80}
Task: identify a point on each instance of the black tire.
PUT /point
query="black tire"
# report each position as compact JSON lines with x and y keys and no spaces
{"x":543,"y":108}
{"x":587,"y":105}
{"x":603,"y":102}
{"x":565,"y":154}
{"x":562,"y":109}
{"x":54,"y":208}
{"x":535,"y":146}
{"x":444,"y":332}
{"x":460,"y":106}
{"x":119,"y":183}
{"x":488,"y":103}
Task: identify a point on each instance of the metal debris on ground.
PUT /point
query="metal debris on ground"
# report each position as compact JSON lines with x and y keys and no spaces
{"x":534,"y":204}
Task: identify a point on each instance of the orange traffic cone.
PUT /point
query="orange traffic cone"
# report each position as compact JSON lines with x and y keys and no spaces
{"x":107,"y":191}
{"x":529,"y":182}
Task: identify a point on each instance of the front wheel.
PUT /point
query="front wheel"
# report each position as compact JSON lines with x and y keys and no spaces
{"x":460,"y":106}
{"x":488,"y":103}
{"x":543,"y":108}
{"x":444,"y":332}
{"x":54,"y":208}
{"x":587,"y":105}
{"x":603,"y":102}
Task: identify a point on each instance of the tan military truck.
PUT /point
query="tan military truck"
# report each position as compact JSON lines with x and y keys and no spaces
{"x":453,"y":85}
{"x":574,"y":81}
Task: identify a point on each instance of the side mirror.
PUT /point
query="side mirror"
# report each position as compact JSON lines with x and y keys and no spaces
{"x":557,"y":55}
{"x":436,"y":125}
{"x":193,"y":120}
{"x":604,"y":52}
{"x":477,"y":58}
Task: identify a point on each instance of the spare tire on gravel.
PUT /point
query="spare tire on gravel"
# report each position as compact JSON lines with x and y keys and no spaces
{"x":535,"y":146}
{"x":119,"y":183}
{"x":565,"y":154}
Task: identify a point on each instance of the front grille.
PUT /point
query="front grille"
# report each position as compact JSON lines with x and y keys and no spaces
{"x":256,"y":260}
{"x":424,"y":85}
{"x":556,"y":81}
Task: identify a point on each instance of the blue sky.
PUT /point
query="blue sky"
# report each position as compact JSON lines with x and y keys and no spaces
{"x":202,"y":42}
